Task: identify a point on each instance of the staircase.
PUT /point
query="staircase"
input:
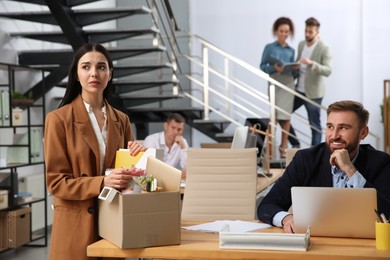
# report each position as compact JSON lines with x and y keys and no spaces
{"x":158,"y":69}
{"x":146,"y":82}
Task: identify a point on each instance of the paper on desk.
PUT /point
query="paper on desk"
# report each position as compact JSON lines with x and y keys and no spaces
{"x":235,"y":226}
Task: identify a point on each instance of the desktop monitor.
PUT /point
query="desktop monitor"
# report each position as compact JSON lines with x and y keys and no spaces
{"x":243,"y":139}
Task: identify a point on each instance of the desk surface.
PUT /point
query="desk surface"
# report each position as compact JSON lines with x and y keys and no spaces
{"x":199,"y":245}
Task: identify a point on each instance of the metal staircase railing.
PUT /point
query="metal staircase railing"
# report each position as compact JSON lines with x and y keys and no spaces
{"x":215,"y":80}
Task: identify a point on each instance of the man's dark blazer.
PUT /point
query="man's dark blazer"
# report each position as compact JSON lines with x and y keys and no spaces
{"x":310,"y":167}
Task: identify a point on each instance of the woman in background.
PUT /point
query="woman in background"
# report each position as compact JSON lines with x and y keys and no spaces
{"x":81,"y":140}
{"x":282,"y":28}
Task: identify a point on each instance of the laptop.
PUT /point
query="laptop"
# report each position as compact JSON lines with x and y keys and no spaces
{"x":334,"y":212}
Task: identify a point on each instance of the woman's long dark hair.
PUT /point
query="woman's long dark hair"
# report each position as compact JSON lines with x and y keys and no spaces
{"x":73,"y":88}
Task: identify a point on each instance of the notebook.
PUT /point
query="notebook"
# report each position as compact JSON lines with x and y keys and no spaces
{"x":334,"y":212}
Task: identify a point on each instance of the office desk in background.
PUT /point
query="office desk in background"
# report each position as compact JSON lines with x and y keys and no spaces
{"x":264,"y":182}
{"x":199,"y":245}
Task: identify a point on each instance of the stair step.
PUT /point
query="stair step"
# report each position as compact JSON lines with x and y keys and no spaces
{"x":217,"y":125}
{"x":211,"y":128}
{"x":131,"y":100}
{"x":69,"y":3}
{"x":64,"y":57}
{"x":210,"y":121}
{"x":140,"y":115}
{"x":101,"y":36}
{"x":130,"y":96}
{"x":224,"y":135}
{"x":83,"y":17}
{"x":123,"y":87}
{"x":127,"y":70}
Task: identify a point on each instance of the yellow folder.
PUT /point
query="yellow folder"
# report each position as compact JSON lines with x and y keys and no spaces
{"x":125,"y":160}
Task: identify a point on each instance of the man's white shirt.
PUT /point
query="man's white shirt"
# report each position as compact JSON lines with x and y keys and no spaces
{"x":175,"y":157}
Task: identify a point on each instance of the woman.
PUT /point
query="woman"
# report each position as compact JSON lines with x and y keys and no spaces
{"x":282,"y":29}
{"x":81,"y":139}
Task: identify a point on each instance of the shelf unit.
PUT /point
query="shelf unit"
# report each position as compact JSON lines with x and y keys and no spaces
{"x":21,"y":142}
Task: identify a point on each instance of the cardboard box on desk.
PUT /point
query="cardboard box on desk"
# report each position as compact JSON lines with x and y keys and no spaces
{"x":145,"y":219}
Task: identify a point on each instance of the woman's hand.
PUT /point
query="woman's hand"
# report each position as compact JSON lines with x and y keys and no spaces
{"x":135,"y":148}
{"x":118,"y":178}
{"x":278,"y":68}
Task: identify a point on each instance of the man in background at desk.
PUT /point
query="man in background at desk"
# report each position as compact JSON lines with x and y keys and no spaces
{"x":171,"y":140}
{"x":340,"y":162}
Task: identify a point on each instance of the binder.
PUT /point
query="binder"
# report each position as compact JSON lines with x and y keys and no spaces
{"x":18,"y":155}
{"x":37,"y":144}
{"x":5,"y":107}
{"x":1,"y":108}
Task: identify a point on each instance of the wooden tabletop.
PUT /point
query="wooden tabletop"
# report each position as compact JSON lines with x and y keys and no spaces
{"x":200,"y":245}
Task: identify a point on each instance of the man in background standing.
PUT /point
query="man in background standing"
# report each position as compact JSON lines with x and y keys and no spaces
{"x":171,"y":140}
{"x":315,"y":64}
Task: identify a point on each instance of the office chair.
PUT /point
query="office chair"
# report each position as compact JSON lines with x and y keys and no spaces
{"x":220,"y":184}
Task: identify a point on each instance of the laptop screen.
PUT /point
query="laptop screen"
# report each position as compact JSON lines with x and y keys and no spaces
{"x":335,"y":212}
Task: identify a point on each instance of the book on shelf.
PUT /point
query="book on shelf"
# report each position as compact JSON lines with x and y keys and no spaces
{"x":23,"y":197}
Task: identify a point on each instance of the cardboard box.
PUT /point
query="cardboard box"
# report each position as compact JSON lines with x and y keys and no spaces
{"x":19,"y":227}
{"x":3,"y":199}
{"x":143,"y":219}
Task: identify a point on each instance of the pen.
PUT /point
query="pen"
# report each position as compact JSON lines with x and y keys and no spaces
{"x":384,"y":219}
{"x":378,"y":217}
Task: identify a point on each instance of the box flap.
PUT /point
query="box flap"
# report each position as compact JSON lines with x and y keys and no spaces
{"x":168,"y":177}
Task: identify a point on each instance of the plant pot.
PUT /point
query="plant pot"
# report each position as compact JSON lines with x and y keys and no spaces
{"x":22,"y":102}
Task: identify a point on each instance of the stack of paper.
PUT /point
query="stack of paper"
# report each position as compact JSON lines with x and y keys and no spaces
{"x":234,"y":225}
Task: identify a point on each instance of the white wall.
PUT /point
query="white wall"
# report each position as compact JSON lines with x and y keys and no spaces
{"x":355,"y":30}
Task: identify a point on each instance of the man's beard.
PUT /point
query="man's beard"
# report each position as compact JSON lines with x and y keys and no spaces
{"x":350,"y":147}
{"x":310,"y":40}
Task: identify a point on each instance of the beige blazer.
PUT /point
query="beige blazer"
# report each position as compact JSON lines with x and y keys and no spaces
{"x":316,"y":73}
{"x":73,"y":176}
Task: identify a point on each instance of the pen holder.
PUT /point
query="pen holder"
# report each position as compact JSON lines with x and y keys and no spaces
{"x":382,"y":234}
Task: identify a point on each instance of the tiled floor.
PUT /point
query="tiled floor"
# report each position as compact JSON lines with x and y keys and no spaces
{"x":27,"y":252}
{"x":30,"y":253}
